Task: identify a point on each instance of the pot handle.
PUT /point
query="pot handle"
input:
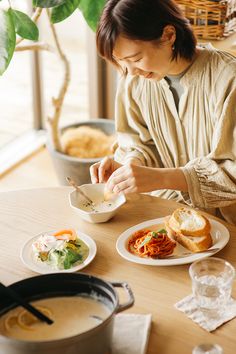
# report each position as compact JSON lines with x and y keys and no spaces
{"x":130,"y":302}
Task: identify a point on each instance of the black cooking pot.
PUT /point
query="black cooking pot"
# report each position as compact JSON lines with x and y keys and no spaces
{"x":94,"y":341}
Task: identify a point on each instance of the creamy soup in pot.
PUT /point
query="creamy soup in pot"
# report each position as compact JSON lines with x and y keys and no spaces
{"x":72,"y":315}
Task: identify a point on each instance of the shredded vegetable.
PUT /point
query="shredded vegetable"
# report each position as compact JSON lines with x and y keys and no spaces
{"x":61,"y":250}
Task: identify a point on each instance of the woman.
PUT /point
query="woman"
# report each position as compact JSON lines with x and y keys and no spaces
{"x":175,"y":108}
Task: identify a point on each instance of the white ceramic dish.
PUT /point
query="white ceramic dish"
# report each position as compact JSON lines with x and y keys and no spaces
{"x":102,"y":211}
{"x":30,"y":262}
{"x":220,"y":236}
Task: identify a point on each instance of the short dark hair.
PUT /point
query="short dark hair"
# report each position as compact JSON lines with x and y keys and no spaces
{"x":143,"y":20}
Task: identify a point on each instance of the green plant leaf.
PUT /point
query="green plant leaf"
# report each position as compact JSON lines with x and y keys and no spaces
{"x":7,"y":39}
{"x":48,"y":3}
{"x":59,"y":13}
{"x":92,"y":10}
{"x":24,"y":26}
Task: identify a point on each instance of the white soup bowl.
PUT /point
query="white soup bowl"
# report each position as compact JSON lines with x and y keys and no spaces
{"x":100,"y":211}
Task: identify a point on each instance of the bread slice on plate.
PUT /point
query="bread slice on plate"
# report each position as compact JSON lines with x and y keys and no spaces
{"x":189,"y":228}
{"x":189,"y":222}
{"x":196,"y":243}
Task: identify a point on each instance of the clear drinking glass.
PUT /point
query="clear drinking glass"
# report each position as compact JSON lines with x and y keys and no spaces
{"x":207,"y":349}
{"x":212,"y":280}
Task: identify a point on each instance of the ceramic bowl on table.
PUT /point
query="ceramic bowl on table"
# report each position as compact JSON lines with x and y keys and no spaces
{"x":100,"y":210}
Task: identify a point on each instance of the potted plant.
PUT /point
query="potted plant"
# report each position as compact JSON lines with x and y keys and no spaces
{"x":17,"y":26}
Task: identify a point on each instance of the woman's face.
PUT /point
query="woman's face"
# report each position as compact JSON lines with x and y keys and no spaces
{"x":147,"y":59}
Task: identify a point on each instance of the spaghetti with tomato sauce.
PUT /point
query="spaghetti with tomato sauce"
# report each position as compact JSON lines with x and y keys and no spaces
{"x":154,"y":244}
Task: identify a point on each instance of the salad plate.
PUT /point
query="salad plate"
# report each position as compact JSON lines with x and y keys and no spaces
{"x":219,"y":233}
{"x":29,"y":259}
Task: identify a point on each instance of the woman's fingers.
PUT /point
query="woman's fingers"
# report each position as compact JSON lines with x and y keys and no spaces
{"x":132,"y":179}
{"x":121,"y":180}
{"x":102,"y":170}
{"x":94,"y":172}
{"x":124,"y":187}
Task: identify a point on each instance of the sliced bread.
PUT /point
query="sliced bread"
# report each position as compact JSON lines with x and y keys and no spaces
{"x":196,"y":243}
{"x":189,"y":228}
{"x":187,"y":221}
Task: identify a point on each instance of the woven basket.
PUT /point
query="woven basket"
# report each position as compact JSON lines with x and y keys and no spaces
{"x":212,"y":19}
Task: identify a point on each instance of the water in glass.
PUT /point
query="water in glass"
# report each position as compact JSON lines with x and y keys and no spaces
{"x":212,"y":284}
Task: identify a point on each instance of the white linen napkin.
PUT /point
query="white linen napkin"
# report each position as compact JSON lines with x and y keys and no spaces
{"x":189,"y":307}
{"x":131,"y":333}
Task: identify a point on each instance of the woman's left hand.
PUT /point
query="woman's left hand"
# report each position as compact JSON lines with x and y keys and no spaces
{"x":131,"y":178}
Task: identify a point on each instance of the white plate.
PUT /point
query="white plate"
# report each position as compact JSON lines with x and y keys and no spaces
{"x":28,"y":259}
{"x":220,"y":236}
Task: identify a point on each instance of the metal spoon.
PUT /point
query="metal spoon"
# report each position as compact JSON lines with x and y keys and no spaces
{"x":73,"y":184}
{"x":21,"y":301}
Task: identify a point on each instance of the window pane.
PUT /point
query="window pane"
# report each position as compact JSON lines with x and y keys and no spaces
{"x":16,"y":115}
{"x":72,"y":38}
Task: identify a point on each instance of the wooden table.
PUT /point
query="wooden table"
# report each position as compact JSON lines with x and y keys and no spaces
{"x":26,"y":213}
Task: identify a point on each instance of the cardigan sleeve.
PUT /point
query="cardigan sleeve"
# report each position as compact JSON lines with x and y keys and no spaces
{"x":133,"y":137}
{"x":212,"y":179}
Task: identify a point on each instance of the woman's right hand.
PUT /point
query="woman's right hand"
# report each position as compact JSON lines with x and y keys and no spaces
{"x":102,"y":170}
